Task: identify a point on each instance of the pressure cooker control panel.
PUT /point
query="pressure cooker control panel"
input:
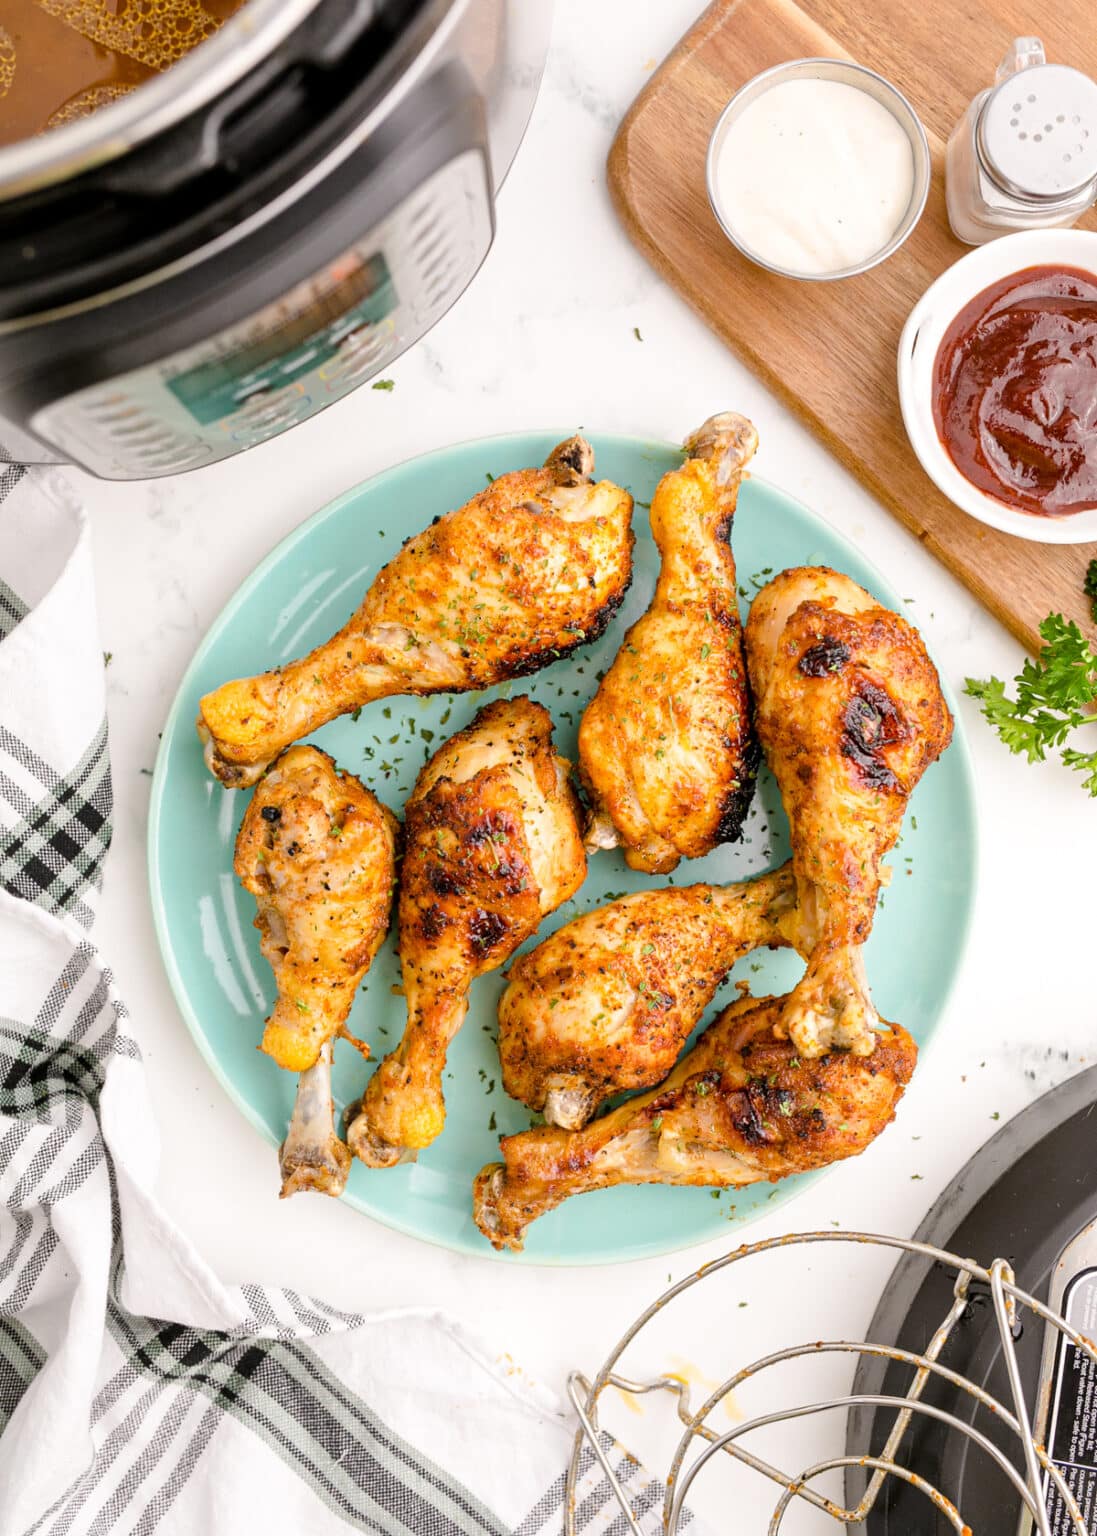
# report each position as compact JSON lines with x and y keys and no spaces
{"x":295,"y":356}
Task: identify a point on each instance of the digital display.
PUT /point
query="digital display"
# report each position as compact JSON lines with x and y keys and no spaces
{"x":303,"y":332}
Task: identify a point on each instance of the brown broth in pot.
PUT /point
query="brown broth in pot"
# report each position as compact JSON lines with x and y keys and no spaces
{"x":62,"y":59}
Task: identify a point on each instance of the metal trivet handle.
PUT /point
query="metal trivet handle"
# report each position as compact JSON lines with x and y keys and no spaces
{"x":1005,"y":1295}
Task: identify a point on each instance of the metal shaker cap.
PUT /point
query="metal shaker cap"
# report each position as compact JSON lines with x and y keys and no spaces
{"x":1037,"y":133}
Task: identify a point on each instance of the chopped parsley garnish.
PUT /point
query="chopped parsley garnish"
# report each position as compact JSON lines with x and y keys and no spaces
{"x":388,"y":384}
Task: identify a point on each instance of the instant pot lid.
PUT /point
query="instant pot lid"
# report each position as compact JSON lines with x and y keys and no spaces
{"x":197,"y":79}
{"x":206,"y":178}
{"x":128,"y":195}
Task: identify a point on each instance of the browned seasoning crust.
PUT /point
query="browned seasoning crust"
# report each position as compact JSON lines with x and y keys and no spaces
{"x":855,"y":715}
{"x":534,"y":565}
{"x":740,"y":1108}
{"x":317,"y":850}
{"x":667,"y":751}
{"x":606,"y":1003}
{"x":492,"y":843}
{"x":850,"y":714}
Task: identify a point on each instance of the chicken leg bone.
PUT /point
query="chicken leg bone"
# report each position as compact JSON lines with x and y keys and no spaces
{"x":312,"y":1157}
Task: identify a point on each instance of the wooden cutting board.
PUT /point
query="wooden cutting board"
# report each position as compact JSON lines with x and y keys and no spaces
{"x":828,"y":349}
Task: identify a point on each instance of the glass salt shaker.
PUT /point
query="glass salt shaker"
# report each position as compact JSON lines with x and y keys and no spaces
{"x":1024,"y":154}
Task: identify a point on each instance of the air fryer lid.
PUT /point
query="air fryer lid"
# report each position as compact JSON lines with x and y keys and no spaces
{"x":1023,"y":1196}
{"x":205,"y":174}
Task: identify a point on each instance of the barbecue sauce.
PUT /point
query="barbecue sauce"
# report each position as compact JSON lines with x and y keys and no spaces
{"x":1015,"y":391}
{"x":62,"y":59}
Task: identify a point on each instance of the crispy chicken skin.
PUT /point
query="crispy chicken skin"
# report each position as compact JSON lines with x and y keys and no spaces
{"x":850,"y":714}
{"x":666,"y":748}
{"x":533,"y":566}
{"x":607,"y":1002}
{"x":493,"y":843}
{"x":740,"y":1108}
{"x":318,"y":852}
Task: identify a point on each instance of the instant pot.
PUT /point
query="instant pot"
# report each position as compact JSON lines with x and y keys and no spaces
{"x":256,"y":232}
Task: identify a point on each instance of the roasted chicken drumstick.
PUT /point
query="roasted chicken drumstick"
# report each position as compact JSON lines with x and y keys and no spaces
{"x":666,"y":748}
{"x":318,"y":852}
{"x":740,"y":1108}
{"x":530,"y":568}
{"x":607,"y":1002}
{"x":850,"y":714}
{"x":492,"y":844}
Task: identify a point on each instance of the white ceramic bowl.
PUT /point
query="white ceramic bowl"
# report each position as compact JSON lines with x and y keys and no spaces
{"x":922,"y":334}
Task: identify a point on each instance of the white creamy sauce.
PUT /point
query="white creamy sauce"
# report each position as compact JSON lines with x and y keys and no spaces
{"x":814,"y":176}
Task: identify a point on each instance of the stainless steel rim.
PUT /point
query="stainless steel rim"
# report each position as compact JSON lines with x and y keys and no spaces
{"x":919,"y":144}
{"x":237,"y":47}
{"x":427,"y":38}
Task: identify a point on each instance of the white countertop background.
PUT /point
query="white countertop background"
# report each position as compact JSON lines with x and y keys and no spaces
{"x":544,"y":338}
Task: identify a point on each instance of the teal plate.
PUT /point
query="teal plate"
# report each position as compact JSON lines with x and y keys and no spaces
{"x":303,"y":591}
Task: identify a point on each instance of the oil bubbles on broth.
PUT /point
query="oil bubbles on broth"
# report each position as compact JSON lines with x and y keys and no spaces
{"x":61,"y":60}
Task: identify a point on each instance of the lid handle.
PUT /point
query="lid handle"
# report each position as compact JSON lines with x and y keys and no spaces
{"x":1023,"y":53}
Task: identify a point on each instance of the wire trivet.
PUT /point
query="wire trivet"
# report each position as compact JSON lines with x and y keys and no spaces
{"x":1006,"y":1296}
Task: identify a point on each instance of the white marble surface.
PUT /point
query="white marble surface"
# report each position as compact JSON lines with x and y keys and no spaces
{"x":545,"y":339}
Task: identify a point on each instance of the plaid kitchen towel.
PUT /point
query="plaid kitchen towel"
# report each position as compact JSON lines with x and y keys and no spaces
{"x":137,"y":1393}
{"x":55,"y":795}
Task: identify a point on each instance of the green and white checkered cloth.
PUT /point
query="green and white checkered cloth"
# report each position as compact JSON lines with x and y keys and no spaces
{"x":137,"y":1393}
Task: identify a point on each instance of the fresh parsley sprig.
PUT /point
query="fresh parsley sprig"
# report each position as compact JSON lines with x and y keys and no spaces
{"x":1055,"y":695}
